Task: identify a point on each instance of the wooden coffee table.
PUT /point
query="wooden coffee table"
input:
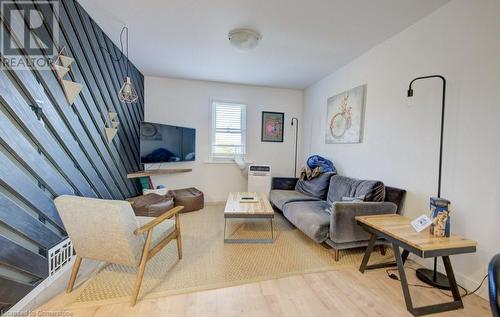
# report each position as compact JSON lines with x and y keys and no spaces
{"x":248,"y":210}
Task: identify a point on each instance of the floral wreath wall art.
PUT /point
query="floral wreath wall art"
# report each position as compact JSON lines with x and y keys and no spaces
{"x":345,"y":116}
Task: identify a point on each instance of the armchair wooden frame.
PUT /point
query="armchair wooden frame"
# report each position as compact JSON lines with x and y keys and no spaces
{"x":147,"y":251}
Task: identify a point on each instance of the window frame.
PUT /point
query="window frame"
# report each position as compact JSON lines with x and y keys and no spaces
{"x":213,"y":120}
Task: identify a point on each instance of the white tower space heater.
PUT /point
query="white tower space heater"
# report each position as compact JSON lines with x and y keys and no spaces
{"x":259,"y":179}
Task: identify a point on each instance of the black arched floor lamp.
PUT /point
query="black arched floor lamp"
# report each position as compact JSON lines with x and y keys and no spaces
{"x":433,"y":277}
{"x":296,"y":143}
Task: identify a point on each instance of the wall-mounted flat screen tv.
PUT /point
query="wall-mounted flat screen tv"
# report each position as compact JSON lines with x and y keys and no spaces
{"x":162,"y":143}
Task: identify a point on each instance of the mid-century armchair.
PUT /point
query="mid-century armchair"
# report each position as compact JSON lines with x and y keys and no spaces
{"x":108,"y":230}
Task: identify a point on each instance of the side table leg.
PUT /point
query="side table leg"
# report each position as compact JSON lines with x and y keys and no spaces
{"x":404,"y":255}
{"x":225,"y":221}
{"x":368,"y":252}
{"x":272,"y":230}
{"x":451,"y":279}
{"x":402,"y":278}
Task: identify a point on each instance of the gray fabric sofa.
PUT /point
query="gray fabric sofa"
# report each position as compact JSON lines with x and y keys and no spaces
{"x":328,"y":218}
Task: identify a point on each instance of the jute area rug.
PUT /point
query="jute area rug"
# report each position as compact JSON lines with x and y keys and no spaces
{"x":209,"y":263}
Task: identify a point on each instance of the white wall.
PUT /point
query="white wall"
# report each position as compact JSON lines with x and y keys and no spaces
{"x":460,"y":41}
{"x":187,"y":103}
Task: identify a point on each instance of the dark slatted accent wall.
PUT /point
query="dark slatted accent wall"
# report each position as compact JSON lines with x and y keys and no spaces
{"x":61,"y":149}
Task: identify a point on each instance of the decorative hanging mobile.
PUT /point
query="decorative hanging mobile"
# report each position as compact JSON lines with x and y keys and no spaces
{"x":61,"y":66}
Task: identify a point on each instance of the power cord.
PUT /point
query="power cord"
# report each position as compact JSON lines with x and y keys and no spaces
{"x":467,"y":293}
{"x":113,"y":58}
{"x":477,"y":288}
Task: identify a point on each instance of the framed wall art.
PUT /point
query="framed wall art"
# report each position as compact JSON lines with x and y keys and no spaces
{"x":272,"y":126}
{"x":345,"y":116}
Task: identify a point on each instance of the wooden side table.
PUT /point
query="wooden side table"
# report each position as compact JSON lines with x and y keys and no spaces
{"x":398,"y":230}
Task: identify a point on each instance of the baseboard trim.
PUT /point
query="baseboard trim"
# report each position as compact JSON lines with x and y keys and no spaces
{"x":215,"y":203}
{"x":463,"y":280}
{"x":52,"y":287}
{"x":32,"y":300}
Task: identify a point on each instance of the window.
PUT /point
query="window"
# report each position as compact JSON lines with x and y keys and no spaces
{"x":228,"y":130}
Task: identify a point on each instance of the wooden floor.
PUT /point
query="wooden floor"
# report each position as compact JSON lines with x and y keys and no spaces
{"x":344,"y":292}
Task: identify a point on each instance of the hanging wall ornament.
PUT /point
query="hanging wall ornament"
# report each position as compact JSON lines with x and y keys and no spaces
{"x":113,"y":129}
{"x":113,"y":116}
{"x":61,"y":71}
{"x":61,"y":66}
{"x":110,"y":134}
{"x":71,"y":90}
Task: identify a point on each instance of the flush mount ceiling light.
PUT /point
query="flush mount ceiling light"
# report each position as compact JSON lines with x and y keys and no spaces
{"x":244,"y":39}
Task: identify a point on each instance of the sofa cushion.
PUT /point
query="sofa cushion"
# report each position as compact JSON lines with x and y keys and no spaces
{"x":316,"y":187}
{"x":280,"y":197}
{"x":341,"y":186}
{"x":310,"y":217}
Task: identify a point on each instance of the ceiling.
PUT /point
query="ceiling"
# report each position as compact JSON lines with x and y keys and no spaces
{"x":303,"y":40}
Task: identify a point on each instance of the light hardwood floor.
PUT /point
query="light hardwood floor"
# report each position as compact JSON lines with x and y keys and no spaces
{"x":343,"y":292}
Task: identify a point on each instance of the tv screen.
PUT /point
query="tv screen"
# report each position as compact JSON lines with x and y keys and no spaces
{"x":162,"y":143}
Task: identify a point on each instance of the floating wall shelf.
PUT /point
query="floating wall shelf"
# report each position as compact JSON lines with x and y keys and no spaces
{"x":155,"y":172}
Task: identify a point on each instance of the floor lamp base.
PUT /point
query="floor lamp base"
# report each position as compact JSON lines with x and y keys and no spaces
{"x":427,"y":276}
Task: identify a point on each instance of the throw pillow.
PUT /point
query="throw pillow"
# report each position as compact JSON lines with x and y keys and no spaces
{"x":316,"y":187}
{"x":342,"y":186}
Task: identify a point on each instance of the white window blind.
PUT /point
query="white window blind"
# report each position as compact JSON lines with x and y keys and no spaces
{"x":228,"y":130}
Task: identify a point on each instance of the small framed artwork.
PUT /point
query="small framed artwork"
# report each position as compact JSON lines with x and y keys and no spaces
{"x":272,"y":126}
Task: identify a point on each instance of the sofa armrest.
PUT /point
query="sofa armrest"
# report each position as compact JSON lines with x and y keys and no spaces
{"x":396,"y":196}
{"x":343,"y":226}
{"x":284,"y":183}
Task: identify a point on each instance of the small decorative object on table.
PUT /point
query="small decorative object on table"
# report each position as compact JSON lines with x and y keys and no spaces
{"x":421,"y":223}
{"x":248,"y":199}
{"x":440,"y":215}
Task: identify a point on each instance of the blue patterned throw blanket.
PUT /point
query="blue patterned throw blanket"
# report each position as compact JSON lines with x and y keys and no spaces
{"x":317,"y":165}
